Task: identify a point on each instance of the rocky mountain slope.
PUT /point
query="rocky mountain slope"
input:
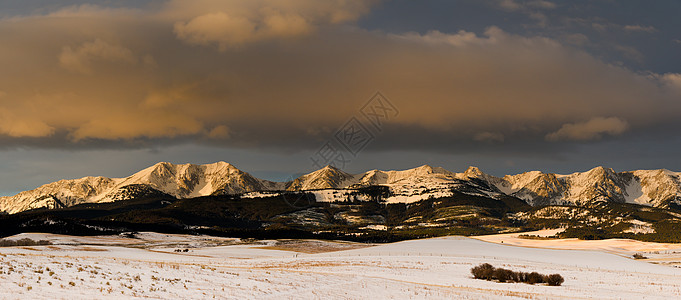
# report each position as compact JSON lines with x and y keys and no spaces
{"x":658,"y":188}
{"x":180,"y":181}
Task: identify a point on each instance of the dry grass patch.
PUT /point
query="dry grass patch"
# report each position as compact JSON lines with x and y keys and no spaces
{"x":312,"y":246}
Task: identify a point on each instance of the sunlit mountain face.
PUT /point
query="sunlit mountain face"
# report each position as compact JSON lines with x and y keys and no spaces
{"x":656,"y":188}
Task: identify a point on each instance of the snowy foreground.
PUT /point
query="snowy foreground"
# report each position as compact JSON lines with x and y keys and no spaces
{"x":438,"y":268}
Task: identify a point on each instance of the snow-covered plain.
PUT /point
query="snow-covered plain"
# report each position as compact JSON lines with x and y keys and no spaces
{"x":438,"y":268}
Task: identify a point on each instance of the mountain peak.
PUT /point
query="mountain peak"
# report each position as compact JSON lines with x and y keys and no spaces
{"x":426,"y":168}
{"x":473,"y":172}
{"x":188,"y":167}
{"x":220,"y":166}
{"x":330,"y":168}
{"x":221,"y":163}
{"x":163,"y":164}
{"x":601,"y":171}
{"x":326,"y":177}
{"x":327,"y":170}
{"x":333,"y":171}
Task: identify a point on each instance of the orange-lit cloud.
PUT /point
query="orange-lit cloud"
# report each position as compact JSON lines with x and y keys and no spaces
{"x":288,"y":73}
{"x":672,"y":81}
{"x":593,"y":129}
{"x":235,"y":23}
{"x":219,"y":132}
{"x":22,"y":126}
{"x":81,"y":58}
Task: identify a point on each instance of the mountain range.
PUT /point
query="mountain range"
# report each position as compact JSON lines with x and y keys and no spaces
{"x":656,"y":188}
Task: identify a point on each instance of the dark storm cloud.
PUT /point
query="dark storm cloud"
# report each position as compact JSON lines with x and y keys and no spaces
{"x":287,"y":74}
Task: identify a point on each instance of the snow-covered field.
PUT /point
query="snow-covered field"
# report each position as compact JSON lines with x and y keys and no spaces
{"x":438,"y":268}
{"x":658,"y":253}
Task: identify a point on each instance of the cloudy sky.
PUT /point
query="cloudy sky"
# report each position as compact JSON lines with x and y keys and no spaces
{"x":280,"y":87}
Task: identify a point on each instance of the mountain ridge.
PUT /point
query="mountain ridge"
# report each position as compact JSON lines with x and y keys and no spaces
{"x":657,"y":188}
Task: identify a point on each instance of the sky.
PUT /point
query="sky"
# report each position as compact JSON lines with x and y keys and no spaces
{"x":284,"y":87}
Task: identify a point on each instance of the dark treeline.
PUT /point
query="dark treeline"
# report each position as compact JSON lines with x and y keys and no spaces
{"x":23,"y":242}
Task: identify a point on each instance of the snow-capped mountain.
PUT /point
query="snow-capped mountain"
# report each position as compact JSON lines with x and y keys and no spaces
{"x":181,"y":181}
{"x":647,"y":187}
{"x":189,"y":180}
{"x":422,"y":175}
{"x":332,"y":178}
{"x":656,"y":188}
{"x":325,"y":178}
{"x":58,"y":194}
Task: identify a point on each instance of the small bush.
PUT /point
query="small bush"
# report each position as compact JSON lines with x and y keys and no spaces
{"x":554,"y":279}
{"x":519,"y":276}
{"x":639,"y":256}
{"x":534,"y":277}
{"x":503,"y":275}
{"x":483,"y":271}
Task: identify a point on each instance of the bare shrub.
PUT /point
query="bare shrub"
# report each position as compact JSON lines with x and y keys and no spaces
{"x":483,"y":271}
{"x":503,"y":275}
{"x":534,"y":277}
{"x":554,"y":279}
{"x":519,"y":276}
{"x":639,"y":256}
{"x":23,"y":242}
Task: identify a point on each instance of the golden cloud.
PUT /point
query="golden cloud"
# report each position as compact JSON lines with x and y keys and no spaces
{"x":131,"y":124}
{"x":235,"y":23}
{"x":81,"y":58}
{"x":593,"y":129}
{"x":219,"y":132}
{"x":671,"y":81}
{"x":89,"y":73}
{"x":23,"y":126}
